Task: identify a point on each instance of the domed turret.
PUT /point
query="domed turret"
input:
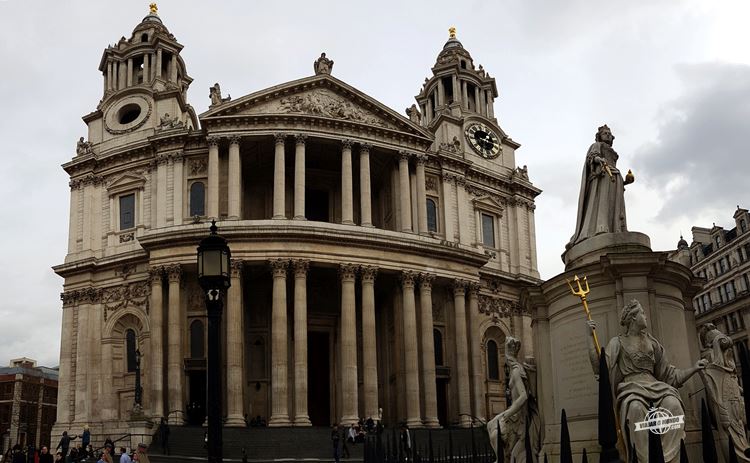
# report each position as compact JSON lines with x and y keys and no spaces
{"x":682,"y":244}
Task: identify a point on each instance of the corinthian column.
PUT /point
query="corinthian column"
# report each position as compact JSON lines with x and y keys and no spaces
{"x":279,"y":176}
{"x":462,"y":356}
{"x":212,"y":209}
{"x":369,"y":343}
{"x":235,"y":365}
{"x":411,"y":361}
{"x":299,"y":177}
{"x":301,"y":418}
{"x":347,"y":194}
{"x":448,"y":202}
{"x":421,"y":195}
{"x":279,"y":339}
{"x":157,"y":343}
{"x":174,"y":350}
{"x":365,"y":197}
{"x":349,"y":414}
{"x":476,"y":355}
{"x":235,"y":179}
{"x":404,"y":191}
{"x":428,"y":351}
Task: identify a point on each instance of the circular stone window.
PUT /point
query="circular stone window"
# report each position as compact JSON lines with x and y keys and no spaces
{"x":127,"y":115}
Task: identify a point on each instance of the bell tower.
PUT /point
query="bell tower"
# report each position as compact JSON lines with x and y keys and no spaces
{"x":457,"y":105}
{"x":145,"y":87}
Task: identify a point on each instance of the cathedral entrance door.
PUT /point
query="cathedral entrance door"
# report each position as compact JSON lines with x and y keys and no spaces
{"x":318,"y":378}
{"x":442,"y":401}
{"x":196,"y":410}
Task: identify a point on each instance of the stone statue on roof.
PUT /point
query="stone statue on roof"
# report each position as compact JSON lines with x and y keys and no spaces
{"x":323,"y":65}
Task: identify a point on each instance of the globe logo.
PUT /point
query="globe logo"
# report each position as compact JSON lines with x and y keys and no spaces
{"x":659,"y":420}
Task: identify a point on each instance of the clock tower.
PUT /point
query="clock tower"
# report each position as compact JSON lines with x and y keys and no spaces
{"x":457,"y":106}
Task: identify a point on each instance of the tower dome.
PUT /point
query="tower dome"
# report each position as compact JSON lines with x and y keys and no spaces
{"x":682,"y":244}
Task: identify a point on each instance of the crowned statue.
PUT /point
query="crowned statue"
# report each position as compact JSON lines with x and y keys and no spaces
{"x":323,"y":65}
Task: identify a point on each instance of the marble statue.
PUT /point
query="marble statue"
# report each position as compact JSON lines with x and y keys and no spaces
{"x":522,"y":411}
{"x":214,"y":92}
{"x":82,"y":147}
{"x":414,"y":114}
{"x":724,"y":392}
{"x":323,"y":65}
{"x":601,"y":202}
{"x":642,"y":378}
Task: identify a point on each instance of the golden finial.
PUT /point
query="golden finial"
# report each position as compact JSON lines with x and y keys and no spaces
{"x":452,"y":32}
{"x":153,"y":9}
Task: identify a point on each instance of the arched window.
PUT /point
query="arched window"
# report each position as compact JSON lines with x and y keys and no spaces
{"x":144,"y":37}
{"x":432,"y":223}
{"x":197,"y":199}
{"x":130,"y":348}
{"x":493,"y":367}
{"x":438,"y":337}
{"x":196,"y":339}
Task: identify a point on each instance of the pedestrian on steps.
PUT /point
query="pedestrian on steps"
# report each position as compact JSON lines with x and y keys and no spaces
{"x":335,"y":438}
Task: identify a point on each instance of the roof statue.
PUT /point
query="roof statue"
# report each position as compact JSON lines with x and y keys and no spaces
{"x":323,"y":65}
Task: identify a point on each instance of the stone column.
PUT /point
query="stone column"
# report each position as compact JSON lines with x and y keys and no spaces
{"x":212,"y":209}
{"x":441,"y":93}
{"x":83,"y":398}
{"x":75,"y":191}
{"x":476,"y":99}
{"x":369,"y":343}
{"x":477,"y":371}
{"x":178,"y":186}
{"x":299,"y":178}
{"x":456,"y":89}
{"x":464,"y":95}
{"x":490,"y":104}
{"x":350,"y":402}
{"x":109,"y":75}
{"x":301,"y":418}
{"x":347,"y":193}
{"x":279,"y":340}
{"x":532,"y":238}
{"x":421,"y":195}
{"x":175,"y":354}
{"x":448,"y":202}
{"x":130,"y":73}
{"x":428,"y":351}
{"x":462,"y":356}
{"x":411,"y":361}
{"x":279,"y":174}
{"x":462,"y":204}
{"x":234,"y":180}
{"x":173,"y":68}
{"x":235,"y":363}
{"x":428,"y":113}
{"x":109,"y":404}
{"x":156,"y":310}
{"x":365,"y":196}
{"x":146,"y":68}
{"x":158,"y":62}
{"x":66,"y":361}
{"x":404,"y":191}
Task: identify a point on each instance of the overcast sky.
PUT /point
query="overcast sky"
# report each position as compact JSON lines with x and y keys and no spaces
{"x":670,"y":78}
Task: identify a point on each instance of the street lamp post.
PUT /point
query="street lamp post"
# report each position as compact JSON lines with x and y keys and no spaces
{"x":138,"y":388}
{"x":213,"y":275}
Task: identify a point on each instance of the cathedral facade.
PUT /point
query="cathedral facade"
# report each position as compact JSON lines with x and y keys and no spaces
{"x":377,"y":258}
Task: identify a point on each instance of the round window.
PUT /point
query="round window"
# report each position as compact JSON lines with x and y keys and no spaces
{"x":128,"y":113}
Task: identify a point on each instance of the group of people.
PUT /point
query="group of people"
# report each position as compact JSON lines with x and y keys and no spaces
{"x":354,"y":434}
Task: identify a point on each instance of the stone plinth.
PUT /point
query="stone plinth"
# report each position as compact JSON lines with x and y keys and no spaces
{"x":141,"y":430}
{"x":565,"y":377}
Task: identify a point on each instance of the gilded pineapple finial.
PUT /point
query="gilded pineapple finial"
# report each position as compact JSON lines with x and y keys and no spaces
{"x":153,"y":9}
{"x":452,"y":32}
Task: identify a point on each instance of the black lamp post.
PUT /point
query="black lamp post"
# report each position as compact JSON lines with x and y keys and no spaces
{"x":138,"y":388}
{"x":213,"y":275}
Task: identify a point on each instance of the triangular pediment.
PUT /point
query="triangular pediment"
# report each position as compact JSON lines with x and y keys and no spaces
{"x":319,"y":96}
{"x":489,"y":203}
{"x":125,"y":182}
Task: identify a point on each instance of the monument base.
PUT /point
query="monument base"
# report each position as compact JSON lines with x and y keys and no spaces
{"x":590,"y":249}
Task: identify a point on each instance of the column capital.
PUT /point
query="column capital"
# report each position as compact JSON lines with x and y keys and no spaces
{"x":300,"y":138}
{"x":279,"y":138}
{"x":421,"y":158}
{"x":301,"y":266}
{"x":174,"y":272}
{"x":278,"y":267}
{"x":460,"y":180}
{"x":234,"y":140}
{"x":155,"y":274}
{"x":474,"y":287}
{"x":236,"y":267}
{"x":347,"y":272}
{"x":404,"y":155}
{"x":346,"y":143}
{"x":365,"y":147}
{"x":407,"y":278}
{"x":369,"y":273}
{"x":213,"y":140}
{"x":459,"y":287}
{"x":425,"y":280}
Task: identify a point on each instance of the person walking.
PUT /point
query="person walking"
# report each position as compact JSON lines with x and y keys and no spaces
{"x":124,"y":457}
{"x":45,"y":456}
{"x":64,"y":444}
{"x":141,"y":456}
{"x":335,"y":438}
{"x":164,"y":436}
{"x":85,"y":440}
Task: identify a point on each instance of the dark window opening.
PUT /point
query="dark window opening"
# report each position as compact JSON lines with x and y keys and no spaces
{"x":165,"y":62}
{"x":470,"y":92}
{"x":743,"y":225}
{"x":488,"y":230}
{"x":130,"y":348}
{"x":196,"y":339}
{"x":432,"y":216}
{"x":144,"y":37}
{"x":129,"y":113}
{"x":463,"y":64}
{"x":127,"y":211}
{"x":197,"y":199}
{"x":448,"y":89}
{"x":316,"y":205}
{"x":438,"y":340}
{"x":493,"y":367}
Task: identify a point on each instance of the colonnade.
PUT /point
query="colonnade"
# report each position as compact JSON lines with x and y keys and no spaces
{"x":121,"y":73}
{"x":483,"y":98}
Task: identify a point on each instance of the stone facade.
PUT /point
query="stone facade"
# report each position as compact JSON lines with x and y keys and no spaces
{"x":378,"y":259}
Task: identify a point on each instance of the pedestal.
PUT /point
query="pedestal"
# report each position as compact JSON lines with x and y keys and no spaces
{"x":140,"y":429}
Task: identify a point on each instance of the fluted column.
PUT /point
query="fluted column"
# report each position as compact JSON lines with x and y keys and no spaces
{"x":365,"y":196}
{"x":235,"y":180}
{"x":349,"y":414}
{"x":178,"y":185}
{"x":301,"y":418}
{"x":279,"y":176}
{"x":462,"y":355}
{"x":279,"y":339}
{"x":369,"y":343}
{"x":175,"y":355}
{"x":447,"y":203}
{"x":157,"y":343}
{"x":212,"y":209}
{"x":299,"y":177}
{"x":158,"y":62}
{"x":411,"y":361}
{"x":428,"y":351}
{"x":347,"y":194}
{"x":421,"y":195}
{"x":235,"y":363}
{"x":477,"y":371}
{"x":404,"y":191}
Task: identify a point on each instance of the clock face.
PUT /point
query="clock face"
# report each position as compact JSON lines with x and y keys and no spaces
{"x":483,"y":140}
